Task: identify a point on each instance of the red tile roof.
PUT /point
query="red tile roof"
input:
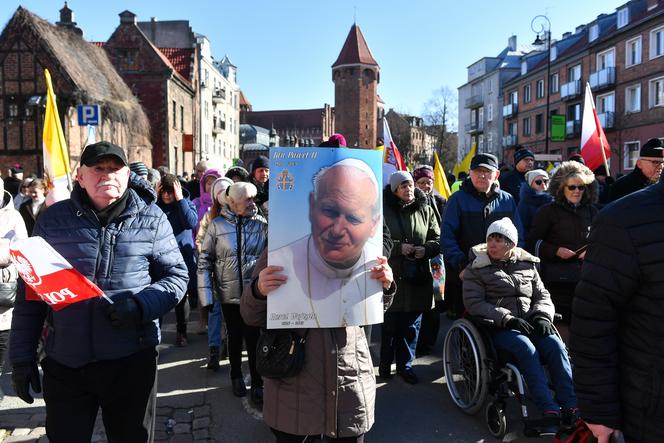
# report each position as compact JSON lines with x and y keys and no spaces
{"x":355,"y":50}
{"x":243,"y":99}
{"x":180,"y":58}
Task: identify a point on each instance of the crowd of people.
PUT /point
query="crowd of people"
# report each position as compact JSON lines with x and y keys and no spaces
{"x":518,"y":244}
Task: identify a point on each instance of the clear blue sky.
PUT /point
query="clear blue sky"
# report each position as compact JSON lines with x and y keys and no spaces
{"x":284,"y":49}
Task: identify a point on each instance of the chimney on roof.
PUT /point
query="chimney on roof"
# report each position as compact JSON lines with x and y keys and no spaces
{"x":580,"y":28}
{"x":127,"y":17}
{"x":67,"y":20}
{"x":153,"y":28}
{"x":511,"y":42}
{"x":567,"y":34}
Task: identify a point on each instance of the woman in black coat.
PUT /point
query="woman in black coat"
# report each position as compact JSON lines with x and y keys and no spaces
{"x":559,"y":232}
{"x":32,"y":208}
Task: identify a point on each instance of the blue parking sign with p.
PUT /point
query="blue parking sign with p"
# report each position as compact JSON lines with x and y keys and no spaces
{"x":88,"y":115}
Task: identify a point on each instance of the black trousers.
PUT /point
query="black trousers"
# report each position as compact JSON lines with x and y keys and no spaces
{"x":182,"y":315}
{"x":124,"y":388}
{"x":237,"y":331}
{"x":4,"y":345}
{"x":283,"y":437}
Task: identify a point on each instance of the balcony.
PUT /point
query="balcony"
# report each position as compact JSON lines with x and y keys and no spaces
{"x":218,"y":96}
{"x":607,"y":119}
{"x":604,"y":78}
{"x":570,"y":90}
{"x":510,"y":110}
{"x":218,"y":126}
{"x":474,"y":127}
{"x":475,"y":101}
{"x":509,"y":140}
{"x":573,"y":128}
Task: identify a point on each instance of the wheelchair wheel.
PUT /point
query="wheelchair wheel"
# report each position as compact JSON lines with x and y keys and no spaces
{"x":496,"y":421}
{"x":466,"y":372}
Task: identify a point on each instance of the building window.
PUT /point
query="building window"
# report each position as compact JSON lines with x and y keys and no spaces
{"x":524,"y":68}
{"x":554,"y":53}
{"x":489,"y":112}
{"x":606,"y":59}
{"x":623,"y":17}
{"x":657,"y":92}
{"x":657,"y":42}
{"x":574,"y":73}
{"x":593,"y":34}
{"x":574,"y":112}
{"x":175,"y":115}
{"x":539,"y":123}
{"x":182,"y":118}
{"x":514,"y":97}
{"x":526,"y":94}
{"x":633,"y":99}
{"x":540,"y":88}
{"x":489,"y":142}
{"x":633,"y":52}
{"x":513,"y":129}
{"x":526,"y":126}
{"x":606,"y":103}
{"x":631,"y":154}
{"x":554,"y":82}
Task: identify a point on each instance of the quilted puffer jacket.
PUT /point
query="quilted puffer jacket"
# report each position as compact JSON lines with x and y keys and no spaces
{"x":135,"y":255}
{"x":231,"y":244}
{"x":501,"y":290}
{"x":11,"y":227}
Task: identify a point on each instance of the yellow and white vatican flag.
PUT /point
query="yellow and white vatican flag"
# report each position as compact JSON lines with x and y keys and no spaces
{"x":56,"y":156}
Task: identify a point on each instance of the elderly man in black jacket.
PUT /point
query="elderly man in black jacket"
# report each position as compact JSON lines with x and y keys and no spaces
{"x":646,"y":172}
{"x":617,"y":330}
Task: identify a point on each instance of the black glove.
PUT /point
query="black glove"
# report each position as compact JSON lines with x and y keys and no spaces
{"x":125,"y":313}
{"x":520,"y":325}
{"x":543,"y":327}
{"x":25,"y":375}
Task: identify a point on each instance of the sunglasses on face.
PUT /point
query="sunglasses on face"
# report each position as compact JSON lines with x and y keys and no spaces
{"x":542,"y":181}
{"x":575,"y":187}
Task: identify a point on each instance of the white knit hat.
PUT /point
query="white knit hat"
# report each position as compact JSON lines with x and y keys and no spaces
{"x":532,"y":175}
{"x":504,"y":227}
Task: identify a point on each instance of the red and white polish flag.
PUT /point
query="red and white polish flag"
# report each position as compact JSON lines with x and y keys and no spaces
{"x":595,"y":148}
{"x":48,"y":276}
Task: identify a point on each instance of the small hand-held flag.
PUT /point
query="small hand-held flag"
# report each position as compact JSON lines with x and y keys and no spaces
{"x":595,"y":148}
{"x":56,"y":157}
{"x":392,"y":160}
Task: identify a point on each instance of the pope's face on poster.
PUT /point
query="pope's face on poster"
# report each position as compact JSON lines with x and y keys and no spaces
{"x":343,"y":213}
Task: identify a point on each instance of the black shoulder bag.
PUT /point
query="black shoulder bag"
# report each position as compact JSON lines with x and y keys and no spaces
{"x":280,"y":353}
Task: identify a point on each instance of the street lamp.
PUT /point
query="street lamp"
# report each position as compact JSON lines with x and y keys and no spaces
{"x":541,"y":24}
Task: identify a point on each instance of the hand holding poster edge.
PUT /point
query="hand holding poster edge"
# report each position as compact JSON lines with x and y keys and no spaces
{"x":50,"y":276}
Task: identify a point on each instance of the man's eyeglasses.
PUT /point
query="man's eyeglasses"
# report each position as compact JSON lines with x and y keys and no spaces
{"x":575,"y":187}
{"x":655,"y":163}
{"x":540,"y":182}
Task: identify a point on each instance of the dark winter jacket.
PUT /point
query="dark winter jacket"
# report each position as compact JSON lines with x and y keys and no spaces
{"x":134,"y":255}
{"x":625,"y":185}
{"x":560,"y":224}
{"x":28,"y":217}
{"x":437,"y":203}
{"x":617,"y":330}
{"x":468,"y":214}
{"x":183,"y":218}
{"x":512,"y":182}
{"x":529,"y":203}
{"x":502,"y":290}
{"x":416,"y":224}
{"x":228,"y":255}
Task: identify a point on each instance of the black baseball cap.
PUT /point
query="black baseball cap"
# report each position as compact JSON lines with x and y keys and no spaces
{"x":483,"y":160}
{"x":653,"y":148}
{"x":96,"y":151}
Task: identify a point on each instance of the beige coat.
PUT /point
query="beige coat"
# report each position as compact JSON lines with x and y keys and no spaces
{"x":335,"y":392}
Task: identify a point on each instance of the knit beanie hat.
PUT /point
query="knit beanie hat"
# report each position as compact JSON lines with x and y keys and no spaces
{"x":260,"y":162}
{"x":399,"y":177}
{"x":139,"y":168}
{"x":220,"y":185}
{"x":532,"y":175}
{"x":504,"y":227}
{"x":423,"y":171}
{"x":238,"y":171}
{"x":521,"y":154}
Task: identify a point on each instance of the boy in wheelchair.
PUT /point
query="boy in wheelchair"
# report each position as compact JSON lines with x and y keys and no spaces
{"x":501,"y":283}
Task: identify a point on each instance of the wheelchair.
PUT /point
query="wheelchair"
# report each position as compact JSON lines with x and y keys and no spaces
{"x":477,"y":375}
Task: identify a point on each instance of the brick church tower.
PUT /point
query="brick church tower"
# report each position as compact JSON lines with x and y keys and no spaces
{"x":356,"y":75}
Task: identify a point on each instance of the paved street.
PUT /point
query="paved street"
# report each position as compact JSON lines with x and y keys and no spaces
{"x":201,"y":407}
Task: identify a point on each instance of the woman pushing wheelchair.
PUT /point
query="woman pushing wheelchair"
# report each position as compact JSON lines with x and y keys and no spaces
{"x":502,"y":284}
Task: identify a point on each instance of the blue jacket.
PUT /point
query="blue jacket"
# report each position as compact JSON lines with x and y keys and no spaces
{"x":529,"y":203}
{"x":183,"y":218}
{"x":468,"y":215}
{"x":512,"y":182}
{"x":135,"y":255}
